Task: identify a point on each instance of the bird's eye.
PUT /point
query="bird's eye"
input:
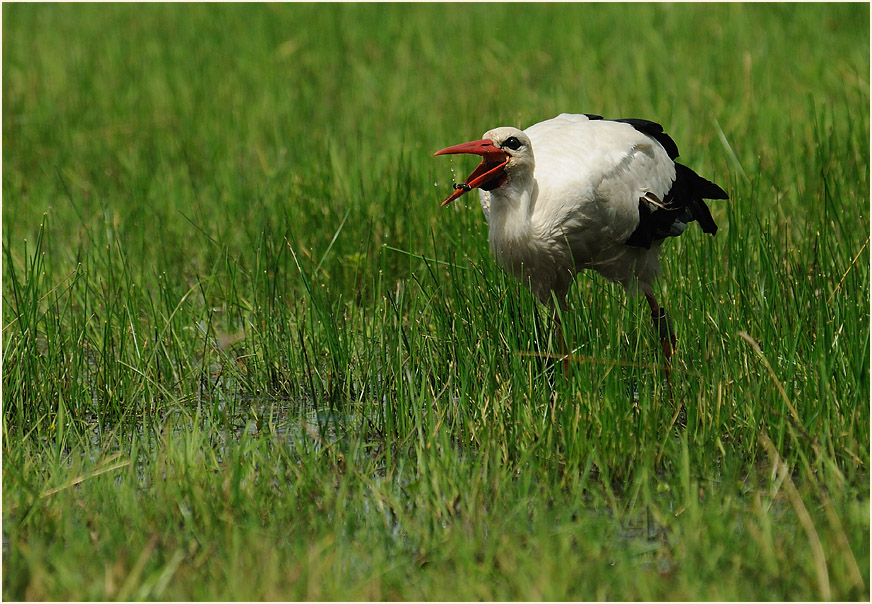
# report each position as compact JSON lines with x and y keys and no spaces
{"x":512,"y":143}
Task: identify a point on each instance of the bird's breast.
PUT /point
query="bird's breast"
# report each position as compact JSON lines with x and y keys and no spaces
{"x":531,"y":257}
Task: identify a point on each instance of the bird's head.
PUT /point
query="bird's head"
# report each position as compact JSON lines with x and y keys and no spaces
{"x":505,"y":152}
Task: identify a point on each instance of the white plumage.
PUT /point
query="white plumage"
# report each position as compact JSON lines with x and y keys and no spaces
{"x":580,"y":192}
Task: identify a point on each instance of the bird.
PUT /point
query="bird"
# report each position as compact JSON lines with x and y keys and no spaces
{"x":580,"y":192}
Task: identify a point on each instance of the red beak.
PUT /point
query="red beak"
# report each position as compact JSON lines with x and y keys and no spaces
{"x":490,"y":172}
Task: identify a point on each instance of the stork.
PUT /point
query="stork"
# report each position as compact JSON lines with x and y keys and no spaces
{"x":582,"y":192}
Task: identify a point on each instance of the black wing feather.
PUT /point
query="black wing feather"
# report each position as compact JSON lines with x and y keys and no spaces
{"x":682,"y":204}
{"x":654,"y":130}
{"x":684,"y":201}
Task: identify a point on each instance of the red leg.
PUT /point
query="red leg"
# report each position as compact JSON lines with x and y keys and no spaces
{"x":663,"y":325}
{"x":564,"y":351}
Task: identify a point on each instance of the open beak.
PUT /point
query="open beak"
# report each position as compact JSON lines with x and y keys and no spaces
{"x":490,"y":172}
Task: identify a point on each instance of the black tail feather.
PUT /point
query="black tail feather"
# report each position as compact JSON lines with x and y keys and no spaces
{"x":695,"y":189}
{"x":683,"y":203}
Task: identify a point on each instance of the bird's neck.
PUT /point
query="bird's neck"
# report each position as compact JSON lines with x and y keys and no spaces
{"x":511,"y":210}
{"x":512,"y":230}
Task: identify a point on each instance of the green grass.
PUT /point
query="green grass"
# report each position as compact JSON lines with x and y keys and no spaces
{"x":246,"y":355}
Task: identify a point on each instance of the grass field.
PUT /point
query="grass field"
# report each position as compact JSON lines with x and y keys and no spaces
{"x":246,"y":355}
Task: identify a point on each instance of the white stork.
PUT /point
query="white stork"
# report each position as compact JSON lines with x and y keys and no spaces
{"x":581,"y":192}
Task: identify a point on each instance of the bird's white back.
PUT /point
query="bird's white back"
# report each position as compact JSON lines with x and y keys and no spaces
{"x":593,"y":172}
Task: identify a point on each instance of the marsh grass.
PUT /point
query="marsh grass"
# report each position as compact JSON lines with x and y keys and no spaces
{"x":247,"y":356}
